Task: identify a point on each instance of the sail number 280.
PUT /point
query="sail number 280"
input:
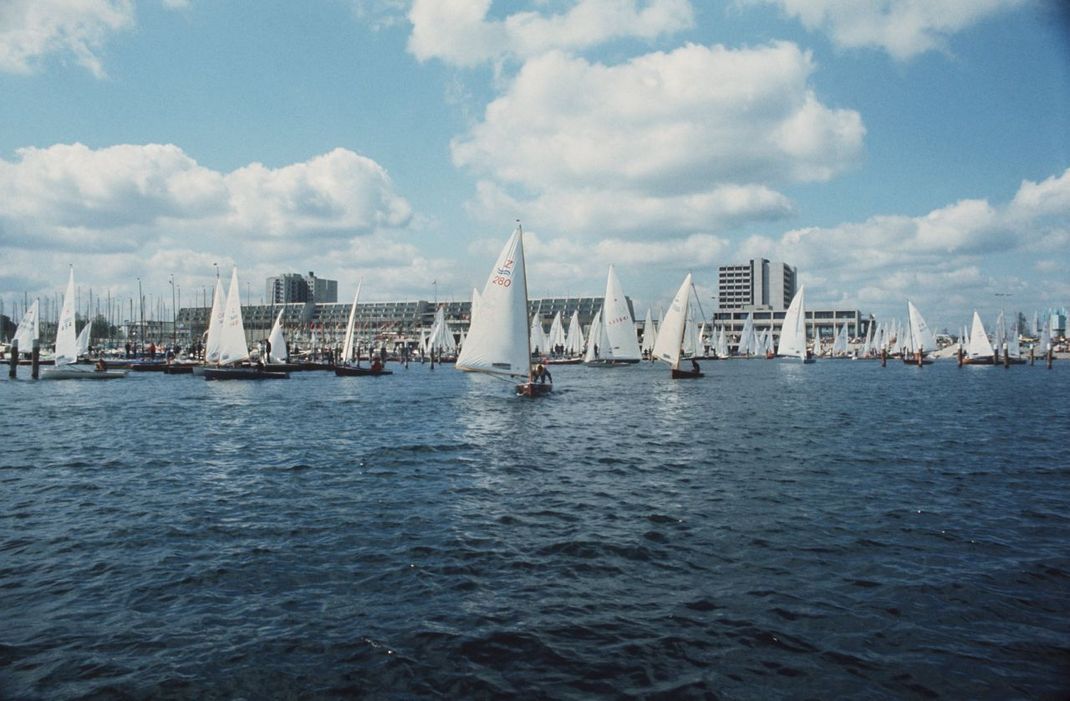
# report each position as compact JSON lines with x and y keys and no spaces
{"x":501,"y":280}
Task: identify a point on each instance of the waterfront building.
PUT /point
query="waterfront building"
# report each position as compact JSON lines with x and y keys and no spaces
{"x":756,"y":284}
{"x":291,"y":288}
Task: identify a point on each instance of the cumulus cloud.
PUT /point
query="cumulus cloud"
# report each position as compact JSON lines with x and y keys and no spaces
{"x":458,"y":31}
{"x":129,"y":209}
{"x":31,"y":30}
{"x":943,"y":258}
{"x":687,"y":140}
{"x":903,"y":28}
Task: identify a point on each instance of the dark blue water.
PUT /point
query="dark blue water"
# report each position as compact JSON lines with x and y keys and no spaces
{"x":772,"y":531}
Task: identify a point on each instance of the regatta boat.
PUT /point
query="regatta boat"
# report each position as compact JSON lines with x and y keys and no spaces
{"x":920,"y":340}
{"x":620,"y":345}
{"x":498,"y":343}
{"x":28,"y":329}
{"x":349,"y":351}
{"x":670,"y":342}
{"x":233,"y":348}
{"x":66,"y":356}
{"x":979,"y":351}
{"x":793,"y":331}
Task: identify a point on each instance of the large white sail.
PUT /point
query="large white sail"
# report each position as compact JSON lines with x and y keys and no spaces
{"x":441,"y":338}
{"x":28,"y":329}
{"x":66,"y":339}
{"x":922,"y":338}
{"x":233,"y":348}
{"x":556,"y":337}
{"x":979,"y":346}
{"x":574,"y":338}
{"x":215,"y":324}
{"x":347,"y":347}
{"x":722,"y":343}
{"x":746,"y":337}
{"x":277,"y":340}
{"x":670,"y":339}
{"x":793,"y":331}
{"x":497,"y":341}
{"x":623,"y":344}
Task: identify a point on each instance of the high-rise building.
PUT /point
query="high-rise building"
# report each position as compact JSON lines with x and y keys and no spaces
{"x":294,"y":287}
{"x":756,"y":284}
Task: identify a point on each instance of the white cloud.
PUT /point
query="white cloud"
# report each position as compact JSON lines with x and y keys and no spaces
{"x":30,"y":30}
{"x":131,"y":203}
{"x":679,"y":142}
{"x":948,"y":259}
{"x":903,"y":28}
{"x":459,"y":32}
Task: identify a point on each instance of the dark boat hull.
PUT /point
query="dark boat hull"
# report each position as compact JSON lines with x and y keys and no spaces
{"x":348,"y":371}
{"x":244,"y":374}
{"x":686,"y":374}
{"x":534,"y":389}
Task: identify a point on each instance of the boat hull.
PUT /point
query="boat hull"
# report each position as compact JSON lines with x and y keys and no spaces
{"x":610,"y":363}
{"x":686,"y":374}
{"x":534,"y":389}
{"x":243,"y":374}
{"x":352,"y":371}
{"x":985,"y":360}
{"x":563,"y":361}
{"x":81,"y":373}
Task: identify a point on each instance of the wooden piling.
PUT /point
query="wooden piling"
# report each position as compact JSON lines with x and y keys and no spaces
{"x":13,"y":360}
{"x":35,"y":359}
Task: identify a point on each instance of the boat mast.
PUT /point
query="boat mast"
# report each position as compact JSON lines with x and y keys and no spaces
{"x":520,"y":241}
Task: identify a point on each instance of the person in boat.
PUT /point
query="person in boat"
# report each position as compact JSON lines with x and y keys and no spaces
{"x":101,"y":366}
{"x":694,"y":366}
{"x":377,"y":364}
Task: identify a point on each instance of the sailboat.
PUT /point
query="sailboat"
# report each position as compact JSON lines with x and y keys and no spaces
{"x":67,"y":348}
{"x":349,"y":351}
{"x":276,"y":347}
{"x":619,"y":344}
{"x":28,"y":329}
{"x":498,"y":342}
{"x":979,"y":351}
{"x":670,"y":342}
{"x":793,"y":330}
{"x":920,"y":339}
{"x":233,"y":348}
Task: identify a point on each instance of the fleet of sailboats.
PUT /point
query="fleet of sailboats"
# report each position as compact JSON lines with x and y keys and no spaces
{"x":65,"y":360}
{"x":233,"y":346}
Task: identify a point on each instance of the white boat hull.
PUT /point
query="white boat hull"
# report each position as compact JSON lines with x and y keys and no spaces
{"x":80,"y":372}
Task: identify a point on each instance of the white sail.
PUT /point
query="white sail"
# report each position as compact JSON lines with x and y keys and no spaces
{"x":670,"y":341}
{"x":28,"y":330}
{"x":623,"y":344}
{"x":351,"y":324}
{"x":557,"y":336}
{"x":793,"y":331}
{"x":921,"y":337}
{"x":746,"y":337}
{"x":594,"y":338}
{"x":441,"y":338}
{"x":650,"y":334}
{"x":66,"y":339}
{"x":574,"y":338}
{"x":1014,"y":346}
{"x":277,"y":340}
{"x":722,"y":344}
{"x":233,"y":348}
{"x":215,"y":324}
{"x":497,"y":340}
{"x":980,"y":346}
{"x":82,"y":341}
{"x":537,"y":335}
{"x":1045,"y":337}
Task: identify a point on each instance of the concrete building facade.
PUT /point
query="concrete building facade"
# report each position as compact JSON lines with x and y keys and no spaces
{"x":756,"y":284}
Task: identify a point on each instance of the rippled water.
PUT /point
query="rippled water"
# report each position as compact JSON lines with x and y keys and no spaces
{"x":774,"y":530}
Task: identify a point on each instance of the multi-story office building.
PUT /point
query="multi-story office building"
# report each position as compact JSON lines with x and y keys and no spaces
{"x":292,"y":288}
{"x":756,"y":284}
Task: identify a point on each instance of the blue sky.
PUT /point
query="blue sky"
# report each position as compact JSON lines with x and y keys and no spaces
{"x":888,"y":148}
